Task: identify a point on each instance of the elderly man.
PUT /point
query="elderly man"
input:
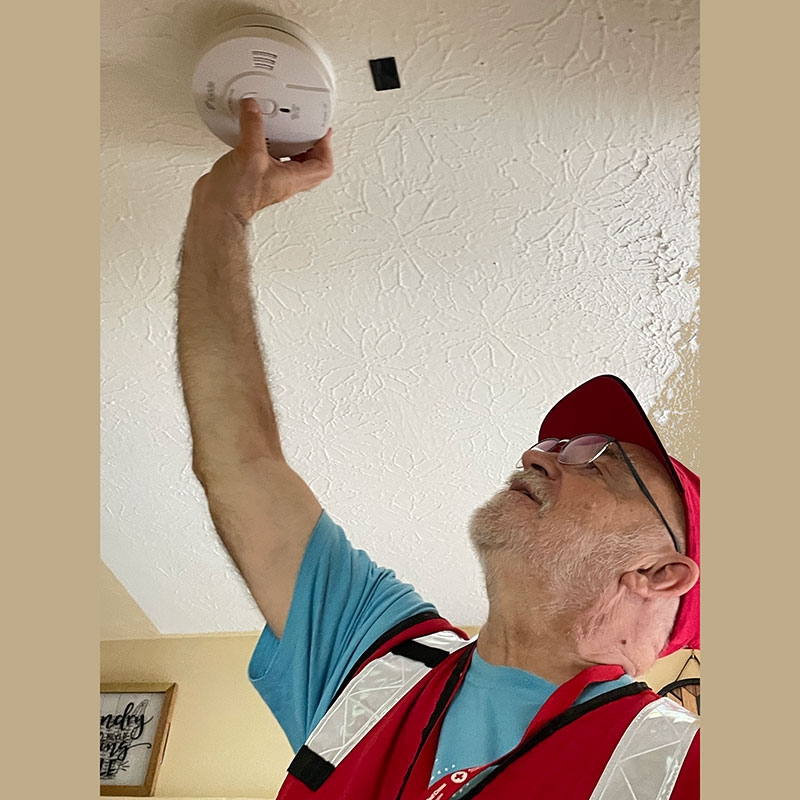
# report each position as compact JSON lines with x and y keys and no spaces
{"x":590,"y":555}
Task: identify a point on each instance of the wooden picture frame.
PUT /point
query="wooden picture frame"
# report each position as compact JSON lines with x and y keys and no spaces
{"x":685,"y":691}
{"x":134,"y":726}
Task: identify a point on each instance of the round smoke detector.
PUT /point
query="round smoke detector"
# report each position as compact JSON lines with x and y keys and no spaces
{"x":278,"y":63}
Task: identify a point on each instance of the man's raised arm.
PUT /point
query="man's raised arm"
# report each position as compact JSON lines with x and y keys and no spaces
{"x":263,"y":511}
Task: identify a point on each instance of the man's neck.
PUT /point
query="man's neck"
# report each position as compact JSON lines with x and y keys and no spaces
{"x":547,"y":652}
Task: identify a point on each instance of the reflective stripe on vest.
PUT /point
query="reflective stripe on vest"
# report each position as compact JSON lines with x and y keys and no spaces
{"x":648,"y":759}
{"x":644,"y":765}
{"x":374,"y":692}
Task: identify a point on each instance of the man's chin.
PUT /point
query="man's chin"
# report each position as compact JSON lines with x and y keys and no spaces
{"x":485,"y":522}
{"x":496,"y":525}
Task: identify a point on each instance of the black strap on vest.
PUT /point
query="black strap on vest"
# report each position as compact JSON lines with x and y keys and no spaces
{"x":311,"y":768}
{"x":425,"y":654}
{"x":392,"y":632}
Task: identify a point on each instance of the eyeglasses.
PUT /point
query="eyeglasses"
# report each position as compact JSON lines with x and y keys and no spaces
{"x":585,"y":449}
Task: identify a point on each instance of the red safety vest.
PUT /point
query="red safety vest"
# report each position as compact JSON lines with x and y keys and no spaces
{"x":378,"y":739}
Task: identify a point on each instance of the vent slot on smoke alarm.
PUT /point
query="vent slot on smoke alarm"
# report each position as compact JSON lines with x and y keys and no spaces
{"x":264,"y":60}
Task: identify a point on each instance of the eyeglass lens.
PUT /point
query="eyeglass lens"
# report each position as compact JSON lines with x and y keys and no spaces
{"x":580,"y":450}
{"x":584,"y":449}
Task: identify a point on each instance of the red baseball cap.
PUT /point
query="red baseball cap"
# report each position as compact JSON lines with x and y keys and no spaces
{"x":606,"y":405}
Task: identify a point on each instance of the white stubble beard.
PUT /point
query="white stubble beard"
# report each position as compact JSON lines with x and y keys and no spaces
{"x":556,"y":552}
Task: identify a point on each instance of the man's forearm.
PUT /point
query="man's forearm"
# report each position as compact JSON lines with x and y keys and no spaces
{"x":221,"y":362}
{"x":262,"y":509}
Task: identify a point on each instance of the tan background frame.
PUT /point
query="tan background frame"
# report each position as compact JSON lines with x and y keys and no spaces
{"x":749,"y":225}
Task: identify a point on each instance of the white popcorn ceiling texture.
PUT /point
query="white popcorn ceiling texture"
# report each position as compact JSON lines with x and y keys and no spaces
{"x":520,"y":216}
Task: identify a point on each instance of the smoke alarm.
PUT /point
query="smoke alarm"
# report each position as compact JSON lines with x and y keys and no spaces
{"x":278,"y":63}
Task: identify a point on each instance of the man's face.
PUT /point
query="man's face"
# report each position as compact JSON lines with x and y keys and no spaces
{"x":562,"y":519}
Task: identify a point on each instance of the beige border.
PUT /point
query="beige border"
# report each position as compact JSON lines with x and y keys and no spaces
{"x":50,"y":405}
{"x":749,"y":389}
{"x":749,"y":210}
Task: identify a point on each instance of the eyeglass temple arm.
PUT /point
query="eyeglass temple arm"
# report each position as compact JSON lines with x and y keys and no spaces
{"x":647,"y":494}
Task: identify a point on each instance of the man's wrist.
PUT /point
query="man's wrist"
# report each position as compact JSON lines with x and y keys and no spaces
{"x":207,"y":224}
{"x":204,"y":213}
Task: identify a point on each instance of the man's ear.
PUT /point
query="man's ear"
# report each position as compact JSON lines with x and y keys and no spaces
{"x":662,"y":576}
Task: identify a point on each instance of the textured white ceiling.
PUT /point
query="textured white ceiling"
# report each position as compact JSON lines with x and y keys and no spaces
{"x":519,"y":216}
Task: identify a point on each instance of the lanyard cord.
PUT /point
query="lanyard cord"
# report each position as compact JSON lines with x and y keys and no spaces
{"x":453,"y":682}
{"x":561,"y":721}
{"x":555,"y":713}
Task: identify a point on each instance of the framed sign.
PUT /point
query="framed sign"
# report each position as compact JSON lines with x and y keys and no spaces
{"x":686,"y":692}
{"x":134,"y":725}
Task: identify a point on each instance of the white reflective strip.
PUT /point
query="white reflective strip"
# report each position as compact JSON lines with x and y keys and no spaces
{"x":445,"y":640}
{"x":369,"y":696}
{"x":649,"y":756}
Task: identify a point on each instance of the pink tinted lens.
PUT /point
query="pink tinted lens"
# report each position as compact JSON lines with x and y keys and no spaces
{"x":546,"y":445}
{"x":582,"y":449}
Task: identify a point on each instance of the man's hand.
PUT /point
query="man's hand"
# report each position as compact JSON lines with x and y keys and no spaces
{"x":247,"y":179}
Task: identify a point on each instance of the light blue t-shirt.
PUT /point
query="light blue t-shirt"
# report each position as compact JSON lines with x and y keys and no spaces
{"x":343,"y":602}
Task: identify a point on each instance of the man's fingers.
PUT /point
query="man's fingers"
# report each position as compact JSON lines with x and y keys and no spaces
{"x":316,"y":163}
{"x":321,"y":151}
{"x":310,"y":173}
{"x":251,"y":127}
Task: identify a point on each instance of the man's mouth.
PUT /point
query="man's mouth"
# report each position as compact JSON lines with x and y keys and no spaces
{"x":518,"y":486}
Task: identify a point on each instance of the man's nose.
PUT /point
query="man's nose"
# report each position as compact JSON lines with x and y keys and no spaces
{"x":542,"y":461}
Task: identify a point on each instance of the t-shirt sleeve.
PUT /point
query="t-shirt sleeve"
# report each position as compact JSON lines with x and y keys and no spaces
{"x":342,"y":603}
